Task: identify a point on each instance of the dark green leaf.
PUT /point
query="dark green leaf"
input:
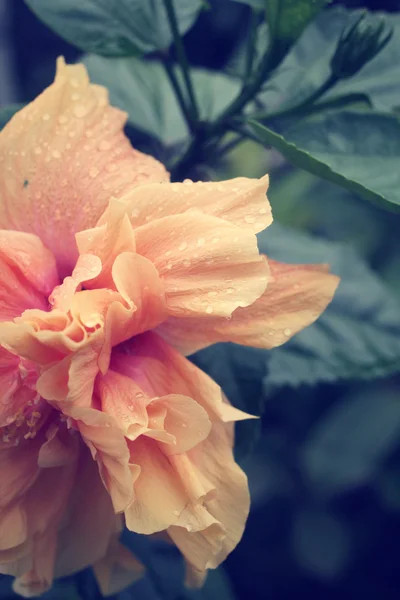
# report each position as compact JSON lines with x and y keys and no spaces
{"x":115,"y":27}
{"x":142,"y":89}
{"x":358,"y":336}
{"x":306,"y":67}
{"x":348,"y":445}
{"x":357,"y":150}
{"x":7,"y":112}
{"x":321,"y":543}
{"x":287,"y":19}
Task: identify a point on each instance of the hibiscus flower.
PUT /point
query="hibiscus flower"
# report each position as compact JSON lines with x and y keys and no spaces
{"x":109,"y":276}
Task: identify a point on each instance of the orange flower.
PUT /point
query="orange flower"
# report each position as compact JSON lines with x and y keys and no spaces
{"x":108,"y":272}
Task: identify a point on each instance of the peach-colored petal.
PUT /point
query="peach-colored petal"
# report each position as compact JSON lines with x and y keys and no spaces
{"x":185,"y":420}
{"x":159,"y":496}
{"x":107,"y":241}
{"x":295,"y":297}
{"x":118,"y":569}
{"x":159,"y":370}
{"x":208,"y":266}
{"x":61,"y":159}
{"x":241,"y":201}
{"x":109,"y":448}
{"x":229,"y":506}
{"x":194,"y":579}
{"x":27,"y":273}
{"x":39,"y":578}
{"x":123,"y":399}
{"x":89,"y":523}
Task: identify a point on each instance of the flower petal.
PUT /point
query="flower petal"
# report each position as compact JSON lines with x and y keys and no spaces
{"x":295,"y":297}
{"x":241,"y":201}
{"x":185,"y":420}
{"x":123,"y":399}
{"x":118,"y":569}
{"x":61,"y":159}
{"x":27,"y":273}
{"x":160,"y":370}
{"x":159,"y":495}
{"x":109,"y":448}
{"x":229,"y":506}
{"x":208,"y":266}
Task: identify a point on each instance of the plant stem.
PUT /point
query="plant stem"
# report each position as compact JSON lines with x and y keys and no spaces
{"x":169,"y":69}
{"x":251,"y":46}
{"x":183,"y":62}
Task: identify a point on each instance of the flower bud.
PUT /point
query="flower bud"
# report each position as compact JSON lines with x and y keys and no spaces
{"x":360,"y":43}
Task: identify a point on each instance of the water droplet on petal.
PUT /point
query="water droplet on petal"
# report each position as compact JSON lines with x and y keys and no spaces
{"x":46,"y":117}
{"x":287,"y":332}
{"x":201,"y":241}
{"x":250,"y":219}
{"x":209,"y":310}
{"x":183,"y":246}
{"x":230,"y":290}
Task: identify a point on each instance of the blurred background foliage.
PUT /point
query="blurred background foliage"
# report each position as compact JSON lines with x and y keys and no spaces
{"x":324,"y":459}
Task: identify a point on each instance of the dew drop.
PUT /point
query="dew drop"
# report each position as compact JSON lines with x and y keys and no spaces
{"x":63,"y":119}
{"x":80,"y":111}
{"x":287,"y":332}
{"x":215,"y":240}
{"x":46,"y":117}
{"x":250,"y":219}
{"x":201,"y":241}
{"x":183,"y":246}
{"x":37,"y":150}
{"x":104,"y":145}
{"x":56,"y":154}
{"x":139,"y":395}
{"x":176,"y":513}
{"x":184,"y":425}
{"x":93,"y":172}
{"x":263,"y":211}
{"x":230,"y":290}
{"x":209,"y":310}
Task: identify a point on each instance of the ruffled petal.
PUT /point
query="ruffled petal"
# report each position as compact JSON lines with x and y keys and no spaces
{"x":159,"y":496}
{"x":109,"y":448}
{"x":89,"y":524}
{"x":241,"y":201}
{"x":207,"y":266}
{"x":295,"y":297}
{"x":118,"y":569}
{"x":61,"y":159}
{"x":160,"y":370}
{"x":228,"y":508}
{"x":27,"y":273}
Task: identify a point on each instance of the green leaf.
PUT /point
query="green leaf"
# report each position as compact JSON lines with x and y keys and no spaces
{"x":357,"y":150}
{"x":7,"y":112}
{"x":358,"y":335}
{"x":115,"y":27}
{"x":306,"y":67}
{"x":143,"y":90}
{"x":321,"y":543}
{"x":287,"y":19}
{"x":346,"y":448}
